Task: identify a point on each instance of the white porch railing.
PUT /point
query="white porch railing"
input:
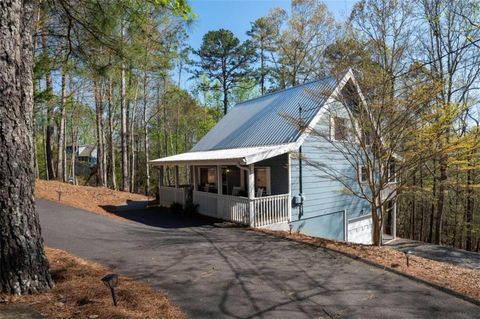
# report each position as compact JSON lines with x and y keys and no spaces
{"x":168,"y":195}
{"x":207,"y":203}
{"x":233,"y":208}
{"x":266,"y":210}
{"x":271,"y":209}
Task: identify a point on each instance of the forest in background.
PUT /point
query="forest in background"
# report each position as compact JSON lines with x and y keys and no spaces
{"x":112,"y":78}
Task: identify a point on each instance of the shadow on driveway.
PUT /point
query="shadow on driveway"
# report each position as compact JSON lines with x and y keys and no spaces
{"x":156,"y":216}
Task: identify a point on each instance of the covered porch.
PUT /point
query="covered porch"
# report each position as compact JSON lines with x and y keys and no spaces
{"x":255,"y":194}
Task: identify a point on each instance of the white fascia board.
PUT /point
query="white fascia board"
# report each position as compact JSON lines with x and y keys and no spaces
{"x":279,"y":150}
{"x":196,"y":162}
{"x":239,"y":156}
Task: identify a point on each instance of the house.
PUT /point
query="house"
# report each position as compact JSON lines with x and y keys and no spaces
{"x":248,"y":168}
{"x":86,"y":153}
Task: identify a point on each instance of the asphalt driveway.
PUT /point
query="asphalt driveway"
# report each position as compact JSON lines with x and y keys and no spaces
{"x":446,"y":254}
{"x":213,"y":272}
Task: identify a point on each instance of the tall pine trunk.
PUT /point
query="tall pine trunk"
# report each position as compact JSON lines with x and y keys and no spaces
{"x":50,"y":115}
{"x":113,"y":177}
{"x":61,"y":163}
{"x":145,"y":133}
{"x":99,"y":131}
{"x":124,"y":126}
{"x":23,"y":263}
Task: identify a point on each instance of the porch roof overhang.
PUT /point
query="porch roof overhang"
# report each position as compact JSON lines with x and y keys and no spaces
{"x":234,"y":156}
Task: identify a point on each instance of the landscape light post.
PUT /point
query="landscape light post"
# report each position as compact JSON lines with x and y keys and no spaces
{"x":111,"y":281}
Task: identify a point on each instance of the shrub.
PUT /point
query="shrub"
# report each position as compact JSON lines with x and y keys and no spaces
{"x":176,"y":208}
{"x":191,"y":208}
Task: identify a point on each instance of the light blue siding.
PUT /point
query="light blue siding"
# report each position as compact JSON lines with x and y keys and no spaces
{"x":324,"y":199}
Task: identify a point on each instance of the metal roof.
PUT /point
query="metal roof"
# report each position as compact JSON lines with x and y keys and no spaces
{"x":262,"y":128}
{"x":267,"y":120}
{"x":86,"y":150}
{"x":241,"y":156}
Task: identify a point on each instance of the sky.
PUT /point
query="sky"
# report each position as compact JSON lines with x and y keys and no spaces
{"x":236,"y":15}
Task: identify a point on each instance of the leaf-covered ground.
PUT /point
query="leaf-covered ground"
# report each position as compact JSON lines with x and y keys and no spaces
{"x":93,"y":199}
{"x":79,"y":293}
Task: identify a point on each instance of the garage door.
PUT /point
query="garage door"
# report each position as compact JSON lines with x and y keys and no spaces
{"x":360,"y":230}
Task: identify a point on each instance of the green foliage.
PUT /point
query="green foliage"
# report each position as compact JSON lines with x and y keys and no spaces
{"x":224,"y":59}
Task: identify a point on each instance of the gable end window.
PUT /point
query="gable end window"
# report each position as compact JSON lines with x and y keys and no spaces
{"x":391,"y":173}
{"x":362,"y":174}
{"x":340,"y":130}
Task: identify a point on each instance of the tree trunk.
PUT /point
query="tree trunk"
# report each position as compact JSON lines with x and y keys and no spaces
{"x":377,"y":226}
{"x":145,"y":133}
{"x":414,"y":208}
{"x":124,"y":127}
{"x":123,"y":134}
{"x":99,"y":125}
{"x":50,"y":116}
{"x":225,"y":98}
{"x":110,"y":137}
{"x":61,"y":132}
{"x":440,"y":200}
{"x":432,"y":205}
{"x":131,"y":136}
{"x":73,"y":158}
{"x":469,"y":211}
{"x":23,"y":263}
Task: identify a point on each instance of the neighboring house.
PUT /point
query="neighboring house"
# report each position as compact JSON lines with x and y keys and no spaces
{"x":247,"y":168}
{"x":84,"y":153}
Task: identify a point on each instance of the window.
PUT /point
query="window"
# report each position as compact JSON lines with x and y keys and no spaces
{"x":340,"y":129}
{"x":208,"y":176}
{"x":262,"y":180}
{"x":362,"y":174}
{"x":391,"y":173}
{"x":367,"y":137}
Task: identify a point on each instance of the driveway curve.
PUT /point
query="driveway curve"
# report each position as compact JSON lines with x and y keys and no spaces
{"x":213,"y":272}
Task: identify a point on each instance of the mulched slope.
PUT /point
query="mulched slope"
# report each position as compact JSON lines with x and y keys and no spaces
{"x":94,"y":199}
{"x":79,"y":293}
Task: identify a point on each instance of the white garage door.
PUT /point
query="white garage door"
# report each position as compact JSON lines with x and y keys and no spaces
{"x":360,"y":230}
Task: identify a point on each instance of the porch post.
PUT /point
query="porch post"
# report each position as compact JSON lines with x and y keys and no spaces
{"x":251,"y":193}
{"x":394,"y":219}
{"x":161,"y":179}
{"x":289,"y":204}
{"x":160,"y":184}
{"x":242,"y":179}
{"x":219,"y":180}
{"x":220,"y":211}
{"x":176,"y":176}
{"x":194,"y":177}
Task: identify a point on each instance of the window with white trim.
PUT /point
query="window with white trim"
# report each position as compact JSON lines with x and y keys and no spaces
{"x":339,"y":128}
{"x":391,"y":172}
{"x":262,"y":180}
{"x":362,"y":174}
